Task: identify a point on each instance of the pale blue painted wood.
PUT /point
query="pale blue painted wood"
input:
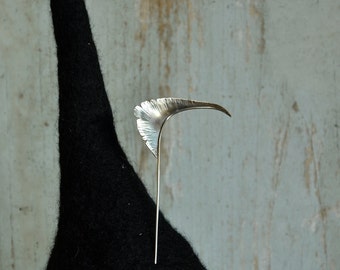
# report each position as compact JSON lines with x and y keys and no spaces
{"x":257,"y":191}
{"x":28,"y":135}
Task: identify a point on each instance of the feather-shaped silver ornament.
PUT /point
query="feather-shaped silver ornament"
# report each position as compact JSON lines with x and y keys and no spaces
{"x":151,"y":117}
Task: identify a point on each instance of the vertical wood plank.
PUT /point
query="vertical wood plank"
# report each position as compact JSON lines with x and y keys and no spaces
{"x":257,"y":191}
{"x":28,"y":120}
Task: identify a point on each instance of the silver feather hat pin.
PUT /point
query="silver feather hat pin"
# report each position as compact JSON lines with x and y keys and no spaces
{"x":151,"y":117}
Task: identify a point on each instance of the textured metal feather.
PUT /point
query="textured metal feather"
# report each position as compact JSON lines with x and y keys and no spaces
{"x":152,"y":115}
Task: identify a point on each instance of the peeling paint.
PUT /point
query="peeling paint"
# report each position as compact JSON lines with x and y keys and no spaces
{"x":321,"y":216}
{"x":256,"y":11}
{"x":164,"y":91}
{"x":256,"y":263}
{"x":295,"y":107}
{"x":164,"y":14}
{"x":169,"y":194}
{"x":12,"y":253}
{"x":310,"y":160}
{"x":143,"y":158}
{"x":165,"y":17}
{"x":280,"y":150}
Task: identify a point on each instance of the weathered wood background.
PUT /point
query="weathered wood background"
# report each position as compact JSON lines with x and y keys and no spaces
{"x":258,"y":191}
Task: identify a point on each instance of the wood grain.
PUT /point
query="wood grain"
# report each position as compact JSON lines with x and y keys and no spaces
{"x":257,"y":191}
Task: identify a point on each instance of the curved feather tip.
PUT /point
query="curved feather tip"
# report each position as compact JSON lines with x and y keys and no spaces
{"x":152,"y":115}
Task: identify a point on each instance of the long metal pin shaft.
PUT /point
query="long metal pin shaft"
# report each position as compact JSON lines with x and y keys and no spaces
{"x":151,"y":117}
{"x":158,"y":191}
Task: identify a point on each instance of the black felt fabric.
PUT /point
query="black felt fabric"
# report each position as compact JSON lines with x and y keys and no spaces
{"x":106,"y":218}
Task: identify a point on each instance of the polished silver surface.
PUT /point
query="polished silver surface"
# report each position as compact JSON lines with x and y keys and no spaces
{"x":151,"y":117}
